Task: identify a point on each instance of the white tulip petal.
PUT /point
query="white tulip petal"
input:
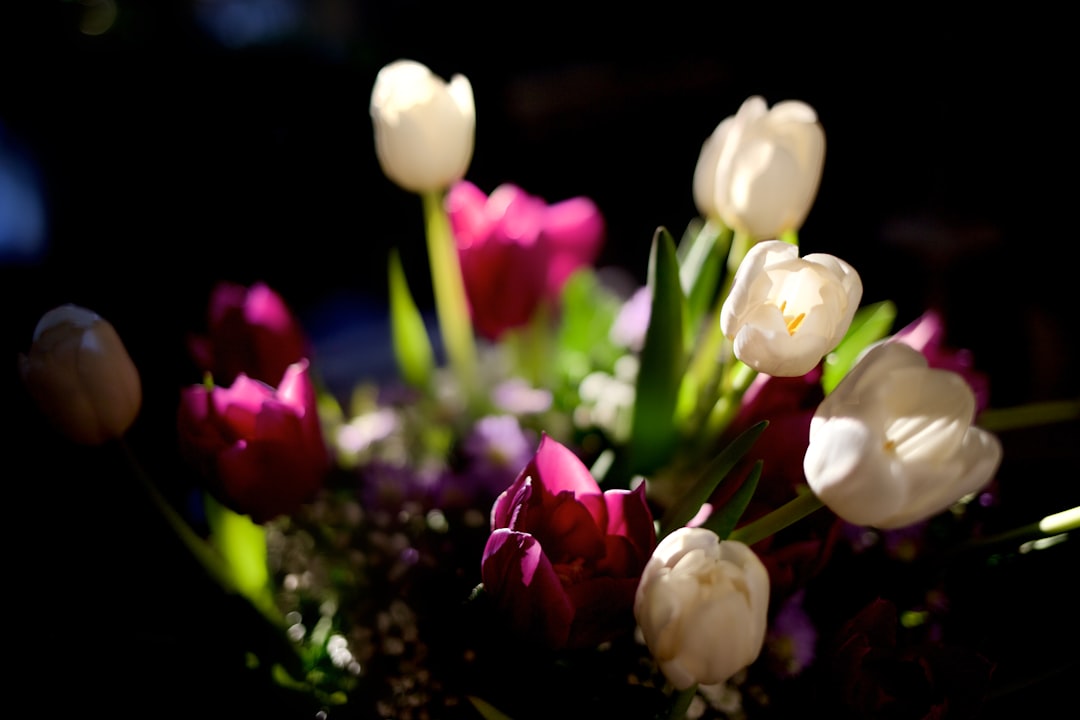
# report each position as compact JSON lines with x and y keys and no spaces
{"x":702,"y":606}
{"x":762,"y":167}
{"x":893,"y":443}
{"x":784,"y":313}
{"x":424,"y":127}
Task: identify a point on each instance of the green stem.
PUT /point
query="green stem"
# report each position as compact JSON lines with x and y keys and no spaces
{"x":451,"y":304}
{"x":713,"y":355}
{"x":780,"y":518}
{"x":1030,"y":415}
{"x":680,"y":702}
{"x":1056,"y":524}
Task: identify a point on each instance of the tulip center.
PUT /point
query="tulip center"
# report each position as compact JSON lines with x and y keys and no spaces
{"x":571,"y":572}
{"x":792,"y":321}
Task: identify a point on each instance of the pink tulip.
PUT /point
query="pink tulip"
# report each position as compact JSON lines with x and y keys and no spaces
{"x":261,"y":450}
{"x":250,"y":331}
{"x":564,"y":559}
{"x":516,"y":251}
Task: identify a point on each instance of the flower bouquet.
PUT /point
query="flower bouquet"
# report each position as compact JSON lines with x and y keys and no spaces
{"x":735,"y":491}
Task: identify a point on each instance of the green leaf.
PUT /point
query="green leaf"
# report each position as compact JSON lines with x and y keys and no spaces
{"x":653,"y":432}
{"x":870,"y":324}
{"x":701,"y":264}
{"x":242,"y":544}
{"x":690,"y":503}
{"x":487,"y":710}
{"x":724,"y":520}
{"x":412,"y":347}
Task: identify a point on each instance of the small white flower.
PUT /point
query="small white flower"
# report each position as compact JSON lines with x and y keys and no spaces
{"x":424,"y":128}
{"x":760,"y":169}
{"x":784,"y":313}
{"x":701,"y":606}
{"x":894,"y":444}
{"x":81,"y":376}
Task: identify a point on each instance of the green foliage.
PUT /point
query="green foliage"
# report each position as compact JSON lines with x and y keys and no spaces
{"x":412,"y":347}
{"x":691,"y":501}
{"x":870,"y":324}
{"x":653,"y":433}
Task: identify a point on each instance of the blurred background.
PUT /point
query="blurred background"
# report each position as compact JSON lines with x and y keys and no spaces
{"x":150,"y":149}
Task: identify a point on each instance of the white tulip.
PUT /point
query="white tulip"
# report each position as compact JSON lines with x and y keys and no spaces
{"x":784,"y":313}
{"x":760,"y":169}
{"x":424,"y":127}
{"x":701,"y":606}
{"x":81,"y":376}
{"x":894,"y":444}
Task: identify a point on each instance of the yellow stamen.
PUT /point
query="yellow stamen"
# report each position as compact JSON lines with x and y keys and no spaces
{"x":793,"y":324}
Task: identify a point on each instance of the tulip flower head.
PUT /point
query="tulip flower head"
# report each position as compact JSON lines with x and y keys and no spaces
{"x":260,"y":449}
{"x":784,"y":313}
{"x":424,"y":127}
{"x":250,"y":331}
{"x":894,"y":444}
{"x":701,"y":606}
{"x":517,"y":251}
{"x":927,"y":335}
{"x":760,"y":169}
{"x":563,"y":559}
{"x":81,"y":376}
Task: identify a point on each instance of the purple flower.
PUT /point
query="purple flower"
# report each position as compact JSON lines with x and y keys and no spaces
{"x":495,"y":451}
{"x":791,"y":639}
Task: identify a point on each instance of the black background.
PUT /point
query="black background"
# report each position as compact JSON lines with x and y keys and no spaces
{"x":170,"y":161}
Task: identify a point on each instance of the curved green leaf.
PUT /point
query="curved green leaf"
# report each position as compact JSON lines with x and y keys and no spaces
{"x":723,"y":520}
{"x":412,"y":346}
{"x":653,"y":433}
{"x":690,"y":503}
{"x":870,"y":324}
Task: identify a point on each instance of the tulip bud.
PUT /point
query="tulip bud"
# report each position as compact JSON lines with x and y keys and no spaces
{"x":784,"y":313}
{"x":759,"y":170}
{"x":424,"y":127}
{"x":81,"y":376}
{"x":702,"y":605}
{"x":893,"y":443}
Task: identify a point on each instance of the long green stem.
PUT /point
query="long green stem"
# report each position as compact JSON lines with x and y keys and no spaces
{"x":780,"y":518}
{"x":1055,"y":524}
{"x":1030,"y":415}
{"x":451,"y":304}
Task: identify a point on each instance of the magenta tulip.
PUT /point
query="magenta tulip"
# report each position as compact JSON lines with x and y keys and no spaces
{"x":516,"y":251}
{"x":261,"y":450}
{"x":250,"y":331}
{"x":563,"y":560}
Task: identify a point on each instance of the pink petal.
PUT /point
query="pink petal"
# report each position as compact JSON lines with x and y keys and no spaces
{"x":466,"y":208}
{"x":558,"y":469}
{"x":566,"y":528}
{"x":522,"y":582}
{"x":629,"y":516}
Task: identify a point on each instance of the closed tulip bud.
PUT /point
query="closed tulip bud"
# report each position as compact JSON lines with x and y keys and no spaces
{"x":81,"y":376}
{"x":702,"y":606}
{"x":784,"y":313}
{"x":760,"y":169}
{"x":894,"y":444}
{"x":424,"y":127}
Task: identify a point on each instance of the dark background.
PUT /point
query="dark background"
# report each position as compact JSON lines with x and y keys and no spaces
{"x":170,"y":154}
